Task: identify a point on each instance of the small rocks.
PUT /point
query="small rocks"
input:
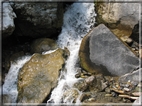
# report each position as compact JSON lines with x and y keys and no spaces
{"x":70,"y":95}
{"x":81,"y":85}
{"x":89,"y":79}
{"x":82,"y":73}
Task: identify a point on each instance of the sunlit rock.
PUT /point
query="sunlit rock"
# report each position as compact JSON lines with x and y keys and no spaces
{"x":8,"y":20}
{"x":38,"y":76}
{"x":108,"y":54}
{"x":120,"y":17}
{"x":42,"y":45}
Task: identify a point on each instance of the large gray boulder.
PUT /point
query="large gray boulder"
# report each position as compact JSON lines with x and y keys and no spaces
{"x":102,"y":52}
{"x":38,"y":19}
{"x":8,"y":17}
{"x":38,"y":76}
{"x":109,"y":51}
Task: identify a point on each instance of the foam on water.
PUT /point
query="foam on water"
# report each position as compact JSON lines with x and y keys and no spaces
{"x":78,"y":21}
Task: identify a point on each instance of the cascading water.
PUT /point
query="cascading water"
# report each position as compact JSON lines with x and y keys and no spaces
{"x":10,"y":84}
{"x":78,"y":21}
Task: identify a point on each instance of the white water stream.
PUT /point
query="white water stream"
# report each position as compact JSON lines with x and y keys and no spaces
{"x":10,"y":84}
{"x":78,"y":21}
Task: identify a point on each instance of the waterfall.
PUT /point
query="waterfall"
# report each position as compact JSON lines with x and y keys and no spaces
{"x":10,"y":84}
{"x":78,"y":20}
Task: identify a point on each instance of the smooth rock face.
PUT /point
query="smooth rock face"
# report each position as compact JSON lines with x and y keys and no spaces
{"x":8,"y":20}
{"x":38,"y":76}
{"x":107,"y":50}
{"x":38,"y":19}
{"x":85,"y":61}
{"x":42,"y":45}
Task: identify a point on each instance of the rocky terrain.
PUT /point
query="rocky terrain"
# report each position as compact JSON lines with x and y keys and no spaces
{"x":109,"y":55}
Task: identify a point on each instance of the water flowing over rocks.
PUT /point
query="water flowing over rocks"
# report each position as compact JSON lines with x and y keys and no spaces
{"x":42,"y":19}
{"x":119,"y":17}
{"x":38,"y":76}
{"x":42,"y":45}
{"x":106,"y":49}
{"x":104,"y":70}
{"x":8,"y":20}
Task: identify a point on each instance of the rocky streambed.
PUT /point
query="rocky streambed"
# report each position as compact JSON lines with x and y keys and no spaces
{"x":71,"y":53}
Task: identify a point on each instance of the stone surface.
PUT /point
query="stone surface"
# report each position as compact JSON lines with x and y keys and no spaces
{"x":38,"y":19}
{"x":8,"y":20}
{"x":42,"y":45}
{"x":85,"y":61}
{"x":91,"y":83}
{"x":38,"y":76}
{"x":107,"y":50}
{"x":120,"y":17}
{"x":108,"y":54}
{"x":134,"y":76}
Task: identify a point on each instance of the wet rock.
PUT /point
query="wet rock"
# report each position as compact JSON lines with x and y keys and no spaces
{"x":110,"y":54}
{"x":38,"y":76}
{"x":119,"y":17}
{"x":8,"y":20}
{"x":42,"y":19}
{"x":66,"y":52}
{"x":42,"y":45}
{"x":77,"y":75}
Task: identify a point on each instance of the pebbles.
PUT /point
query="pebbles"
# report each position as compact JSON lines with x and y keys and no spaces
{"x":125,"y":90}
{"x":82,"y":73}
